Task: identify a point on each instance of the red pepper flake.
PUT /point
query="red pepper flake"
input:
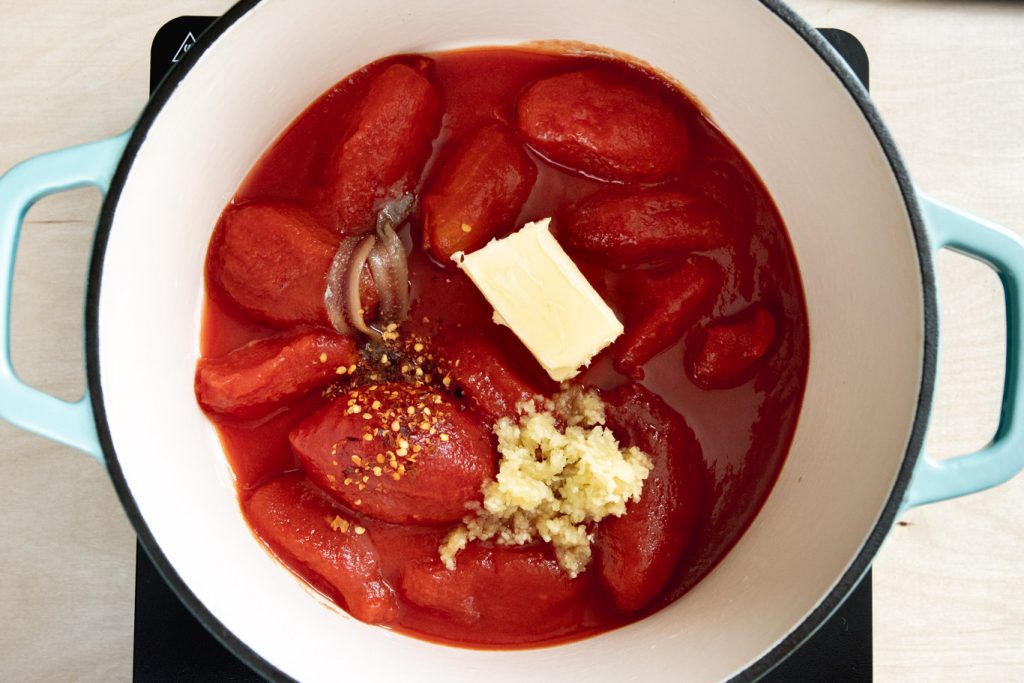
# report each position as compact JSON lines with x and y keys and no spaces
{"x":338,"y":524}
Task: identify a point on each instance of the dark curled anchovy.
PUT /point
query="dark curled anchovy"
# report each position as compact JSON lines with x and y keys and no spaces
{"x":388,"y":263}
{"x":335,"y":297}
{"x":384,"y":254}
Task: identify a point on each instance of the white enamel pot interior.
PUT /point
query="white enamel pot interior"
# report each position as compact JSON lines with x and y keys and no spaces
{"x":805,"y":128}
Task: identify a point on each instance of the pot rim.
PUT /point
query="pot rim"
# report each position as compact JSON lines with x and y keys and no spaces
{"x":847,"y":582}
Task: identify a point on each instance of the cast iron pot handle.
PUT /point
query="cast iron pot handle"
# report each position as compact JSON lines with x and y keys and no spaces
{"x":20,"y":188}
{"x":1003,"y":457}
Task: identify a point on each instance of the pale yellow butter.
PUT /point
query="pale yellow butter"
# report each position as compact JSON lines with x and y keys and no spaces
{"x":539,"y":293}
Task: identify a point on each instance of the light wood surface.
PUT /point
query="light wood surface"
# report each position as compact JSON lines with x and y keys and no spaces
{"x":949,"y":584}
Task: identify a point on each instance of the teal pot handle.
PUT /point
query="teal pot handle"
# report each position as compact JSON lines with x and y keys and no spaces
{"x":1003,"y":457}
{"x":20,"y":188}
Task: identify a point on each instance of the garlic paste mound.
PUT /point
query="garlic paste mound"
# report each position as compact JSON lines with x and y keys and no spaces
{"x":561,"y":472}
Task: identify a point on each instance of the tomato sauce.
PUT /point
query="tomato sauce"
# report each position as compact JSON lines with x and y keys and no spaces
{"x":744,"y":428}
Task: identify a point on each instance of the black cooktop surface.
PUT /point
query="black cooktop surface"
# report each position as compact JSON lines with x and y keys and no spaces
{"x":170,"y":645}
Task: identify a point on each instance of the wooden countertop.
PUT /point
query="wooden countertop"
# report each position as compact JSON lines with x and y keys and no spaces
{"x":949,"y":584}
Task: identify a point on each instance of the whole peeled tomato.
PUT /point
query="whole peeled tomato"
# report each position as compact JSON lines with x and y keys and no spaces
{"x":621,"y":229}
{"x":727,"y":350}
{"x":397,"y":452}
{"x":660,"y":304}
{"x":383,"y":155}
{"x":604,"y":124}
{"x":637,"y":553}
{"x":485,"y":375}
{"x":296,"y":521}
{"x":262,"y":376}
{"x":502,"y":589}
{"x":272,"y":260}
{"x":478,"y":193}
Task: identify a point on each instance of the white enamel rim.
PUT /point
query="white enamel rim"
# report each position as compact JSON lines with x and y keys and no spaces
{"x":833,"y":172}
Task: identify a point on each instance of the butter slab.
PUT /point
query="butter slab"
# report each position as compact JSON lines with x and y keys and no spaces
{"x":538,"y":292}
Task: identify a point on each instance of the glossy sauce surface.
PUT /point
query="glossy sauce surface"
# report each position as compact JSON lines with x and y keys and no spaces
{"x":744,"y":431}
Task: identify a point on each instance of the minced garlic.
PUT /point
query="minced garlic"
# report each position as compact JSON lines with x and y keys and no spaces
{"x":554,"y":483}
